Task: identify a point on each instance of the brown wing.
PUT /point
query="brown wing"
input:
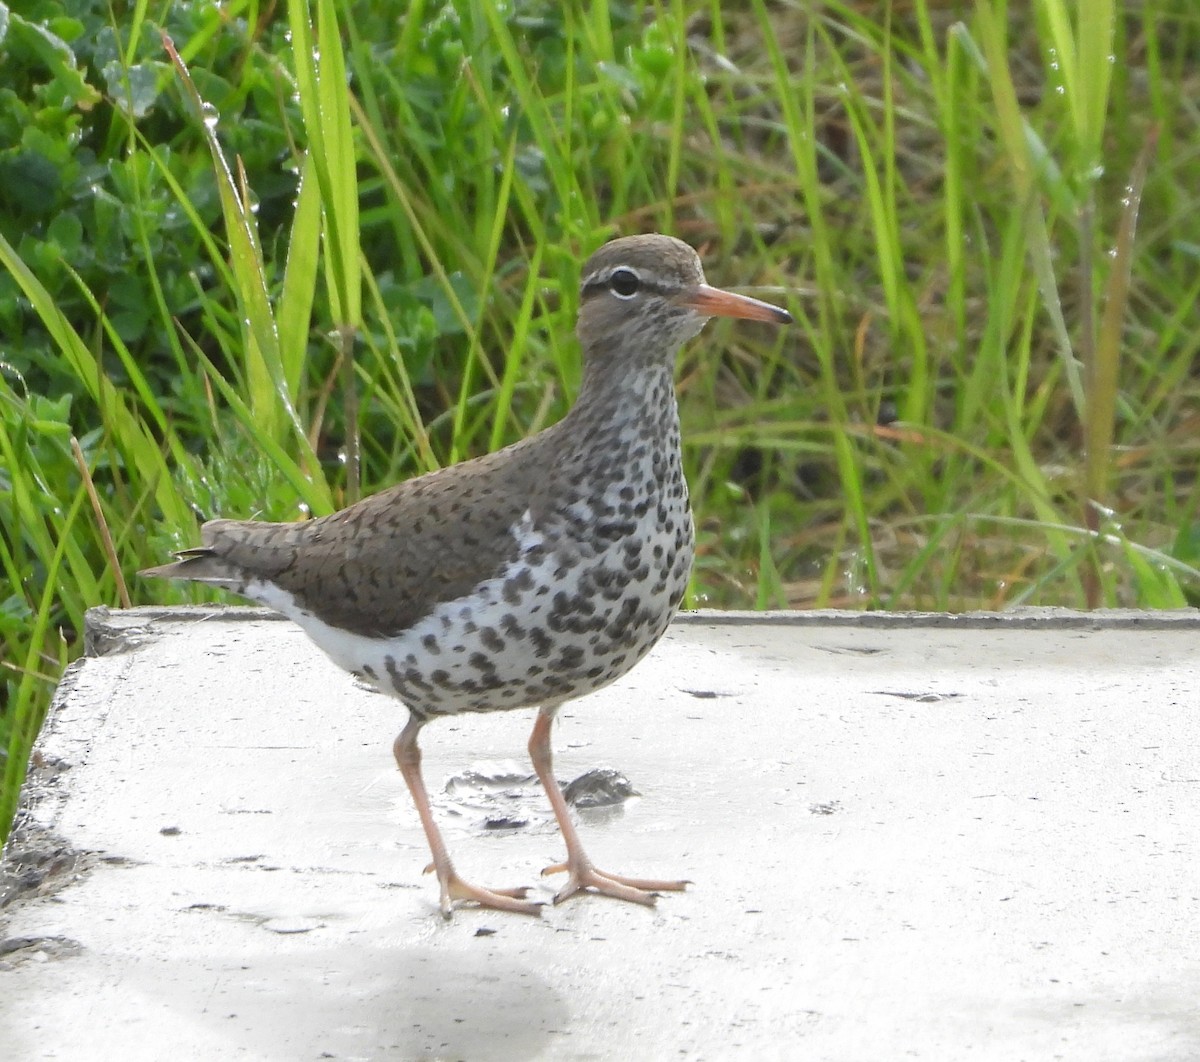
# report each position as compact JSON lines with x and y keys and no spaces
{"x":377,"y":567}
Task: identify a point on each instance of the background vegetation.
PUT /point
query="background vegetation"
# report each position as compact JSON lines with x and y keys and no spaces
{"x":296,"y":261}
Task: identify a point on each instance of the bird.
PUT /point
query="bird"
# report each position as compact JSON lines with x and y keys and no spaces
{"x":523,"y":578}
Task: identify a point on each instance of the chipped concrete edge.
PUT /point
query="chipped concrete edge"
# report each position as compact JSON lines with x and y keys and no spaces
{"x":36,"y":860}
{"x":118,"y":630}
{"x":108,"y":631}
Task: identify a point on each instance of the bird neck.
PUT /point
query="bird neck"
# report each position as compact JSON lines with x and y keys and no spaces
{"x":634,"y":397}
{"x":619,"y":442}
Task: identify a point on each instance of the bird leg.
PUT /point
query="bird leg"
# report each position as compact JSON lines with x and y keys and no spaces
{"x":582,"y":875}
{"x":452,"y":887}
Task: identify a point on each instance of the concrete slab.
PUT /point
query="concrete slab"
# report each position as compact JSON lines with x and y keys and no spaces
{"x":910,"y":837}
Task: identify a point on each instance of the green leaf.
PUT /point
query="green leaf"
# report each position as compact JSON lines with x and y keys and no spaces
{"x":134,"y":89}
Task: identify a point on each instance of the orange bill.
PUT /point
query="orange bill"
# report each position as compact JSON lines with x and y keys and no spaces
{"x":718,"y":303}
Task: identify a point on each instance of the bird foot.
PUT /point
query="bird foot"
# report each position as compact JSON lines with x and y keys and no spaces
{"x":454,"y":891}
{"x":584,"y":877}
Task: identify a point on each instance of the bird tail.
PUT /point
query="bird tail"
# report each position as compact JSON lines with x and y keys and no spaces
{"x":199,"y":564}
{"x":233,"y":554}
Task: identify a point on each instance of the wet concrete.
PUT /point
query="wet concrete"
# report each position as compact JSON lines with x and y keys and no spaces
{"x":910,"y":837}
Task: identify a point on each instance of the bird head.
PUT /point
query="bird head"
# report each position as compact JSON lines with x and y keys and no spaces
{"x":644,"y":296}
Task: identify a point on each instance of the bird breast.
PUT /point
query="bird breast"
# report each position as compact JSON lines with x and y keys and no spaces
{"x":591,"y":586}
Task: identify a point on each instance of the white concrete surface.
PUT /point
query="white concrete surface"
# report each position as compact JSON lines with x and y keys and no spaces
{"x":911,"y":838}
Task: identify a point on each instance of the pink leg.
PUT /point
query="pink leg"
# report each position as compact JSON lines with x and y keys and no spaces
{"x":581,"y":874}
{"x":453,"y":888}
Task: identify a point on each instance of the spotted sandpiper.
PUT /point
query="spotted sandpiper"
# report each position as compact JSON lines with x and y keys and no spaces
{"x":527,"y":577}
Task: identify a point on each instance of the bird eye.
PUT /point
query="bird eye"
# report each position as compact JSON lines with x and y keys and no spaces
{"x":624,"y":283}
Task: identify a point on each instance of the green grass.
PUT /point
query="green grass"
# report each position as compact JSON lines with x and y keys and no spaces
{"x":987,"y":230}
